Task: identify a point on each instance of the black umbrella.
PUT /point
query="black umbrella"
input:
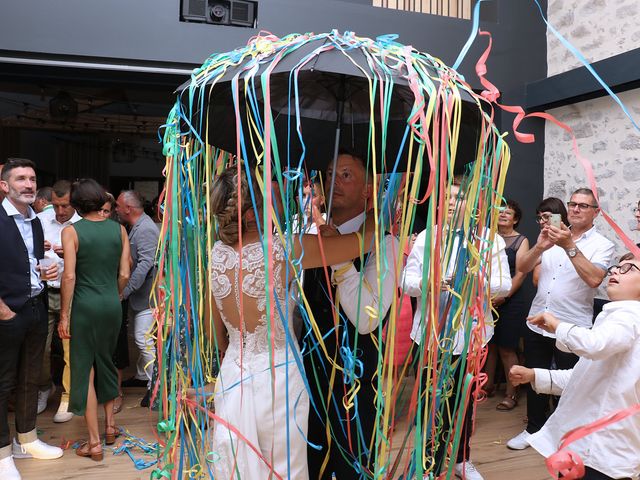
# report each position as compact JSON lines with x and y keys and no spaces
{"x":333,"y":82}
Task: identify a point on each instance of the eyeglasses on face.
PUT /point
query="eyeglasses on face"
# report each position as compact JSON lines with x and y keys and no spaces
{"x":581,"y":206}
{"x":636,"y":210}
{"x":543,"y":217}
{"x":622,"y":269}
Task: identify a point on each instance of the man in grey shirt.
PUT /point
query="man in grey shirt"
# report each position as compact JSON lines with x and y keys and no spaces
{"x":143,"y":235}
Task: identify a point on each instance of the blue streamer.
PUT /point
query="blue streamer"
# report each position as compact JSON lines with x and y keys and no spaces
{"x":576,"y":53}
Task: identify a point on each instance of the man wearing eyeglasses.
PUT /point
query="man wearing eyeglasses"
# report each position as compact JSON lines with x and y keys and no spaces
{"x":573,"y":261}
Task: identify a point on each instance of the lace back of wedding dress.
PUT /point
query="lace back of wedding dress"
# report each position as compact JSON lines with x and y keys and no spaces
{"x":260,"y":388}
{"x":251,"y":331}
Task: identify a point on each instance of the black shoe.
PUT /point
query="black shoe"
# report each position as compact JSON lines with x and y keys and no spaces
{"x":146,"y":399}
{"x":134,"y":382}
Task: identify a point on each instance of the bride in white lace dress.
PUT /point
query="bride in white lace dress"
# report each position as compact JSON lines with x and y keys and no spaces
{"x":260,"y":394}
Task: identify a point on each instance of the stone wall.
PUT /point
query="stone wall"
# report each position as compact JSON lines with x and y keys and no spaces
{"x":598,"y":28}
{"x":609,"y":141}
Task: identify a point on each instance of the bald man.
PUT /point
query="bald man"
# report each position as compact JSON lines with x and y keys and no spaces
{"x":143,"y":235}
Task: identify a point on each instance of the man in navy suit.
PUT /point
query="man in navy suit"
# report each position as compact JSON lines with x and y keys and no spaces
{"x":23,"y":315}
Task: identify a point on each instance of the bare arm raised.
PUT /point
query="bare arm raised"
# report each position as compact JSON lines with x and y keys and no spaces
{"x":531,"y":257}
{"x":336,"y":248}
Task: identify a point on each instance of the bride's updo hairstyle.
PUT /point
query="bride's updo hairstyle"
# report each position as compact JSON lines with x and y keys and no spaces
{"x":224,"y":203}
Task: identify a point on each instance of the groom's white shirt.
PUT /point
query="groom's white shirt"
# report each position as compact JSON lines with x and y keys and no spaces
{"x":354,"y":296}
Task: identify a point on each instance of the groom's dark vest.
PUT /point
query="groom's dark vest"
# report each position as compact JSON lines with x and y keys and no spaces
{"x":318,"y":372}
{"x":15,"y":270}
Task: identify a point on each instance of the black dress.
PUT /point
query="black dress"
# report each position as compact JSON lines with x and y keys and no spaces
{"x":513,"y":312}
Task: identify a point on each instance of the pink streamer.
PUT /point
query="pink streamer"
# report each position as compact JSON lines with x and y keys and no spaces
{"x":492,"y":94}
{"x":564,"y":462}
{"x":193,"y":405}
{"x":568,"y":463}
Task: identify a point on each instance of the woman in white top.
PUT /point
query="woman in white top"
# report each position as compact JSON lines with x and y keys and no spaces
{"x":604,"y":381}
{"x":260,"y":394}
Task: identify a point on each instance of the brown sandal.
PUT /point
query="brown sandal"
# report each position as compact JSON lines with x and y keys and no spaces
{"x":117,"y":403}
{"x":111,"y":432}
{"x":509,"y":402}
{"x":85,"y":450}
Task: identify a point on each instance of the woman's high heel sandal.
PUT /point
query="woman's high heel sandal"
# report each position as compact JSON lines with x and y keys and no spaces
{"x":111,"y":432}
{"x":86,"y":450}
{"x":117,"y":403}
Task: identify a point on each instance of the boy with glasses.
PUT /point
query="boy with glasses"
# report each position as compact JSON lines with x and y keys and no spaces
{"x":609,"y":363}
{"x":572,"y":264}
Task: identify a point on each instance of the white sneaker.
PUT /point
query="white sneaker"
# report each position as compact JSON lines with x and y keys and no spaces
{"x":43,"y":398}
{"x":63,"y":414}
{"x":520,"y":441}
{"x":8,"y":470}
{"x":36,"y":449}
{"x":467,"y":471}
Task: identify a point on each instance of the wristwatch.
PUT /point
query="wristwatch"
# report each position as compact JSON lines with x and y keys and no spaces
{"x":572,"y":252}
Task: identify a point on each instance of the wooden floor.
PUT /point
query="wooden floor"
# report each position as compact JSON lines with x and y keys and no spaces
{"x":489,"y":452}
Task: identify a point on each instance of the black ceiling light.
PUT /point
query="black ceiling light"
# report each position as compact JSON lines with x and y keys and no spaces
{"x":63,"y":106}
{"x":219,"y":12}
{"x":239,"y":13}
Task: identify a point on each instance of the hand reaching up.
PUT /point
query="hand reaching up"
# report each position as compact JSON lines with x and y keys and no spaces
{"x":544,"y":242}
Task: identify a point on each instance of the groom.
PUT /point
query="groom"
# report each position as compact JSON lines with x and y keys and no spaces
{"x":340,"y":437}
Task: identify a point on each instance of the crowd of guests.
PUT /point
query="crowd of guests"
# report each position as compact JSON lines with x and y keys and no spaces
{"x":569,"y":260}
{"x":69,"y":269}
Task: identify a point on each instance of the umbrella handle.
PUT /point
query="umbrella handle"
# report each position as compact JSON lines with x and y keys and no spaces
{"x":336,"y":145}
{"x":336,"y":149}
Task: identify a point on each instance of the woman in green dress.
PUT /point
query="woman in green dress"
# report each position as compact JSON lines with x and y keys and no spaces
{"x":96,"y":270}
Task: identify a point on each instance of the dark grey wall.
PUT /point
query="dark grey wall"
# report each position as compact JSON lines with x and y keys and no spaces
{"x":150,"y":29}
{"x":142,"y":31}
{"x":519,"y":56}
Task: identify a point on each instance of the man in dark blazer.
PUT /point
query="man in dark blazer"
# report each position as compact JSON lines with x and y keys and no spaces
{"x":23,"y":315}
{"x":143,"y":236}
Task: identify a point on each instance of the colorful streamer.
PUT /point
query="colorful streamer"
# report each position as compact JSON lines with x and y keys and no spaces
{"x":423,"y":174}
{"x":568,"y":463}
